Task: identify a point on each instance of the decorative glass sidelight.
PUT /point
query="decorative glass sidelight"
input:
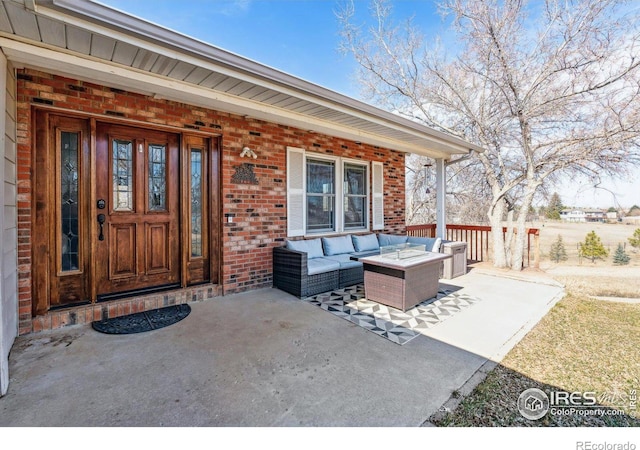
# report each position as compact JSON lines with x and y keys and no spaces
{"x":157,"y":177}
{"x":69,"y":183}
{"x":122,"y":175}
{"x":196,"y":203}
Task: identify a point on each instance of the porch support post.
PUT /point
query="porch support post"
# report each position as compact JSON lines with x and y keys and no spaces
{"x":441,"y":194}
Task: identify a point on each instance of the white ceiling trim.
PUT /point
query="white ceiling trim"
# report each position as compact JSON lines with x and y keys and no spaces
{"x":93,"y":70}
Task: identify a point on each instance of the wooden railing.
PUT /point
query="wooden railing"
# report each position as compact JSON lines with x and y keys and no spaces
{"x":478,"y":238}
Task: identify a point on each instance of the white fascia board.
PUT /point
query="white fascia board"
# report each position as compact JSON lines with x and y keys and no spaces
{"x":230,"y":64}
{"x":109,"y":74}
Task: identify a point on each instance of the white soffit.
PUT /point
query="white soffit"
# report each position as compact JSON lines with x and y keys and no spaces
{"x":87,"y":40}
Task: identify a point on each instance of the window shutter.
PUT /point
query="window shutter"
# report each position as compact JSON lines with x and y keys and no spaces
{"x":377,"y":203}
{"x":295,"y":192}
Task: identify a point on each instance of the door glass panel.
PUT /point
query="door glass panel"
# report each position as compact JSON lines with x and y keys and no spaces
{"x":196,"y":203}
{"x":157,"y":177}
{"x":122,"y":175}
{"x":69,"y":201}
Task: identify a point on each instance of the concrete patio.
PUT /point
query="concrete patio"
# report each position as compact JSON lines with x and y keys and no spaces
{"x":265,"y":358}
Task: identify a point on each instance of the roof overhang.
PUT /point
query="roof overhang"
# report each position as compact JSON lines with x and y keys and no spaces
{"x":89,"y":41}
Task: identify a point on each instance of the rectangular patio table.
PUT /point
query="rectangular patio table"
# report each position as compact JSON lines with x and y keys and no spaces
{"x":402,"y":283}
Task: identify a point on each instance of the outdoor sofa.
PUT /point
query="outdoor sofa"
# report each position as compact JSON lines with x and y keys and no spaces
{"x":308,"y":267}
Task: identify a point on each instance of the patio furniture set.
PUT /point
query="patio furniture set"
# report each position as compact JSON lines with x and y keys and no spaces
{"x":399,"y":271}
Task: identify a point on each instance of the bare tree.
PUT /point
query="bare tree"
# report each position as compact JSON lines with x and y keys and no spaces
{"x":467,"y":196}
{"x":550,"y":89}
{"x":421,"y":203}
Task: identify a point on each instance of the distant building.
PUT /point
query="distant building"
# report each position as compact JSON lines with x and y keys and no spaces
{"x":631,"y":220}
{"x":582,"y":215}
{"x":634,"y":211}
{"x":573,"y":215}
{"x":633,"y":216}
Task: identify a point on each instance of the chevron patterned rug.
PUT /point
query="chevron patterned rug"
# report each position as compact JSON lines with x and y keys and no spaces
{"x":393,"y":324}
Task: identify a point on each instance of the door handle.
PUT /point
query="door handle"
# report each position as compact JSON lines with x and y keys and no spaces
{"x":101,"y":220}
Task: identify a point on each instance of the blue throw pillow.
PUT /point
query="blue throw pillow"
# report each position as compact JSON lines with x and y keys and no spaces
{"x":391,"y":239}
{"x":337,"y":245}
{"x":312,"y":247}
{"x":430,"y":244}
{"x":365,"y":243}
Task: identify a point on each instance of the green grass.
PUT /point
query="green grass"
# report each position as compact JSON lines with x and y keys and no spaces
{"x":581,"y":345}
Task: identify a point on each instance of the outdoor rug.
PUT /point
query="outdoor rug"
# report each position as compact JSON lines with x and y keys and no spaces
{"x":143,"y":321}
{"x":393,"y":324}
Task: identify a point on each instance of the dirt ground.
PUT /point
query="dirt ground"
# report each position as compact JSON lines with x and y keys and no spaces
{"x":598,"y":279}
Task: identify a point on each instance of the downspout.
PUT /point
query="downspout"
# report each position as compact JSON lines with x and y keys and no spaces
{"x":441,"y":193}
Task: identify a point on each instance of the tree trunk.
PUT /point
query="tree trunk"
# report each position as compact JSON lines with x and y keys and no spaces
{"x":496,"y":213}
{"x":517,"y":254}
{"x":520,"y":239}
{"x":508,"y":239}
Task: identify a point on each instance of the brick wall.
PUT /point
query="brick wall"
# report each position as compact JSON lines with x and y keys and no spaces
{"x":258,"y":211}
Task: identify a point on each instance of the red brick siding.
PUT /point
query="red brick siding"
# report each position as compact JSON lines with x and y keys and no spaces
{"x":258,"y":211}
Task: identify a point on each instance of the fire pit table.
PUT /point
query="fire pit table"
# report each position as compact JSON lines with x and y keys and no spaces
{"x":402,"y":276}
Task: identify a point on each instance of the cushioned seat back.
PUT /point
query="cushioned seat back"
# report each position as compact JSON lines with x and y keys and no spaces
{"x":391,"y":239}
{"x":312,"y":247}
{"x":337,"y":245}
{"x":430,"y":244}
{"x":366,"y":243}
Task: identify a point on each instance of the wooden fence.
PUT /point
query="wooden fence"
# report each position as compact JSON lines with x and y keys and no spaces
{"x":478,"y":238}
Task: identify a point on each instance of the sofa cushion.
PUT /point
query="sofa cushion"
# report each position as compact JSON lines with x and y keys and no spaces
{"x":365,"y":243}
{"x":391,"y":239}
{"x":337,"y":245}
{"x":344,"y":260}
{"x":430,"y":244}
{"x":312,"y":247}
{"x":321,"y":265}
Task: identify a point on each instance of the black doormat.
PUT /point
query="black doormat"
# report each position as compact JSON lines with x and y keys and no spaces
{"x":143,"y":321}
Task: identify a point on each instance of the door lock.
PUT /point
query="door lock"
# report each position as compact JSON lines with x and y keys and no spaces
{"x":101,"y":220}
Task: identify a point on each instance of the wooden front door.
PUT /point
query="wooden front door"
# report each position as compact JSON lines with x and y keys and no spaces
{"x":137,"y":240}
{"x":120,"y":210}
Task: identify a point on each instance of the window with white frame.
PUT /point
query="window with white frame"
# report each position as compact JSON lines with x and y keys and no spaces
{"x":321,"y":195}
{"x":355,"y":193}
{"x":327,"y":194}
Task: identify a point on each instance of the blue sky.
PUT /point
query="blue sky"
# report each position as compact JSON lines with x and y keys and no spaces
{"x":300,"y":37}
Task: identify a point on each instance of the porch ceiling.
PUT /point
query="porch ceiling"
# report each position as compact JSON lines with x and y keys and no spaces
{"x":87,"y":40}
